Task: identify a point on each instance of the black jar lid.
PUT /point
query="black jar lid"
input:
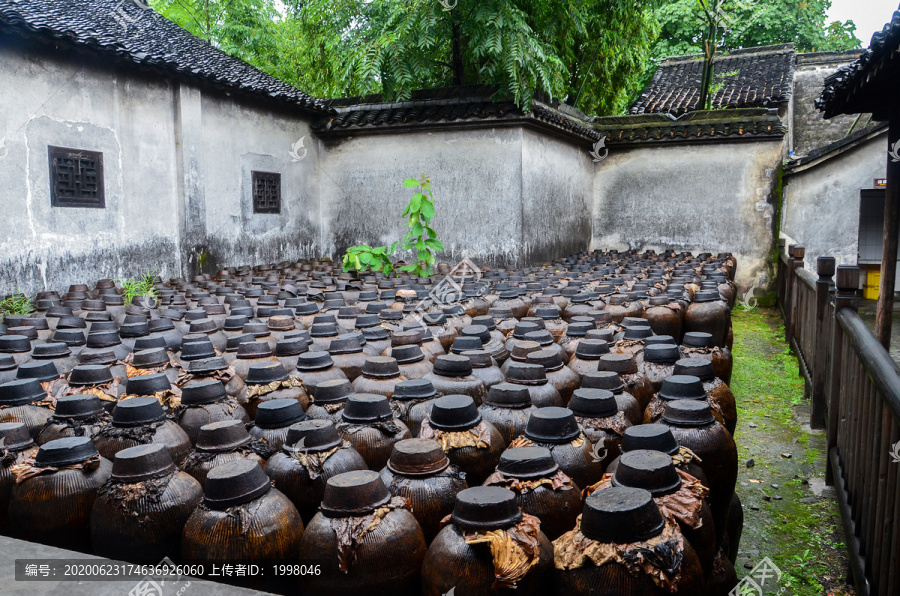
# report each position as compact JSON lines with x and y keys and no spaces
{"x":70,"y":337}
{"x":417,"y":457}
{"x":40,"y":370}
{"x":160,"y":324}
{"x":65,"y":452}
{"x":593,"y":403}
{"x":150,"y":358}
{"x":223,"y":435}
{"x":235,"y":322}
{"x":90,"y":374}
{"x":621,"y":515}
{"x":207,"y":365}
{"x":254,"y":349}
{"x":279,"y":413}
{"x":137,"y":411}
{"x":29,"y":332}
{"x":706,"y":296}
{"x":15,"y":436}
{"x":355,"y":493}
{"x":291,"y":346}
{"x":524,"y":373}
{"x":323,"y":330}
{"x":547,"y":312}
{"x":454,"y":413}
{"x":71,"y":323}
{"x":464,"y":343}
{"x":306,"y":308}
{"x":197,"y":350}
{"x":150,"y":342}
{"x":381,"y":367}
{"x":310,"y":361}
{"x":656,"y":437}
{"x":103,"y":325}
{"x":651,"y":470}
{"x":486,"y":508}
{"x":698,"y":339}
{"x":411,"y":389}
{"x":682,"y":387}
{"x":407,"y":354}
{"x":324,"y":318}
{"x":541,"y":336}
{"x":316,"y":435}
{"x":659,"y":339}
{"x":333,"y":391}
{"x":527,"y":462}
{"x":77,"y":407}
{"x":134,"y":329}
{"x":265,"y":373}
{"x":698,"y":367}
{"x":51,"y":350}
{"x":552,"y":425}
{"x":367,"y":407}
{"x":635,"y":333}
{"x":206,"y":391}
{"x":235,"y":483}
{"x":579,"y":329}
{"x":688,"y":412}
{"x":376,"y":333}
{"x":486,"y":321}
{"x":142,"y":462}
{"x":346,"y":343}
{"x":148,"y":384}
{"x":508,"y":395}
{"x":453,"y":365}
{"x":591,"y":349}
{"x":21,"y":392}
{"x":479,"y":331}
{"x":622,"y":364}
{"x":662,"y":353}
{"x":7,"y":362}
{"x":281,"y":319}
{"x":234,"y":342}
{"x":550,"y":359}
{"x":523,"y":327}
{"x":103,"y":339}
{"x":11,"y":344}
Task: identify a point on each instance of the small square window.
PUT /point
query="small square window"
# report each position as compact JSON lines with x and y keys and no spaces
{"x":266,"y":192}
{"x":76,"y":178}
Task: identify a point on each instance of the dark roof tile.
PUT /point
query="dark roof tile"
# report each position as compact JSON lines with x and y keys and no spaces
{"x":763,"y":80}
{"x":698,"y":126}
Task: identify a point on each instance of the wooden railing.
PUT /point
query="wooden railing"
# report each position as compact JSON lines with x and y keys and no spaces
{"x":854,"y":388}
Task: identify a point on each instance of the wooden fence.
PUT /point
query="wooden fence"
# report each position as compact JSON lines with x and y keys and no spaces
{"x":854,"y":388}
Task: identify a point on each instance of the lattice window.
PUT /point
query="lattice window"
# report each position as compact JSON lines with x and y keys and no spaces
{"x":76,"y":178}
{"x":266,"y":192}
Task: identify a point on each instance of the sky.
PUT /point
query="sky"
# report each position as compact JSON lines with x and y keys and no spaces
{"x":869,"y":15}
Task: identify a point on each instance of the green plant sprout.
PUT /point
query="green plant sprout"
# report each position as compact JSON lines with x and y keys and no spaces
{"x":16,"y":304}
{"x":141,"y":286}
{"x":421,"y":238}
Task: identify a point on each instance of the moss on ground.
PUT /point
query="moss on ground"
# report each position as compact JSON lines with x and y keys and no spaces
{"x":798,"y":530}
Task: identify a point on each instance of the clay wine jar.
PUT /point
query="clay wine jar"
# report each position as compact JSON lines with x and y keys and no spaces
{"x":626,"y":367}
{"x":370,"y":425}
{"x":75,"y":416}
{"x":420,"y":471}
{"x":412,"y":402}
{"x":558,"y":374}
{"x":677,"y":387}
{"x":659,"y":363}
{"x":626,"y":519}
{"x":380,"y":374}
{"x":273,"y":419}
{"x":452,"y":374}
{"x":394,"y":542}
{"x":315,"y":368}
{"x":266,"y":382}
{"x":508,"y":408}
{"x":587,"y":356}
{"x":665,"y":316}
{"x":610,"y":381}
{"x":658,"y":437}
{"x":718,"y":394}
{"x":140,"y":421}
{"x":312,"y":453}
{"x":26,"y":401}
{"x":601,"y":421}
{"x":700,"y":345}
{"x":693,"y":426}
{"x":472,"y":444}
{"x":708,"y":313}
{"x":140,"y":511}
{"x":203,"y":402}
{"x":347,"y":354}
{"x":534,"y":378}
{"x":557,"y":430}
{"x":220,"y":443}
{"x":17,"y":446}
{"x":329,"y":401}
{"x":485,"y":368}
{"x":53,"y":506}
{"x":541,"y":488}
{"x":242,"y":519}
{"x":454,"y":564}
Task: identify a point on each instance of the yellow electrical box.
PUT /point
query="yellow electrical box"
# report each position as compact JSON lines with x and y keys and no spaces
{"x":873,"y":282}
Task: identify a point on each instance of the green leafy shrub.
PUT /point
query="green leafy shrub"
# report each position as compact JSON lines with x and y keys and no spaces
{"x":420,"y":238}
{"x":141,"y":286}
{"x":16,"y":304}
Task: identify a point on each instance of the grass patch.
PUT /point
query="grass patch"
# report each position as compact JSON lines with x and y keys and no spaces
{"x":800,"y":533}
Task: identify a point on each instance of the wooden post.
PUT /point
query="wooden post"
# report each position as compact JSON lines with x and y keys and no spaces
{"x":788,"y":288}
{"x":885,"y":310}
{"x":845,"y":296}
{"x":825,"y":271}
